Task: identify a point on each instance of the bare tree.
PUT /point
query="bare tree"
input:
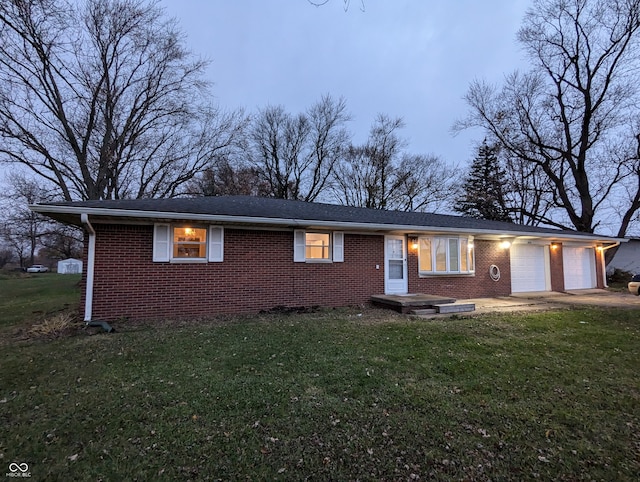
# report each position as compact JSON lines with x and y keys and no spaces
{"x":22,"y":229}
{"x":101,"y":99}
{"x":355,"y":181}
{"x":296,"y":154}
{"x":224,"y":178}
{"x":381,"y":175}
{"x":346,"y":3}
{"x":528,"y":193}
{"x":559,"y":120}
{"x":6,"y":257}
{"x":61,"y":241}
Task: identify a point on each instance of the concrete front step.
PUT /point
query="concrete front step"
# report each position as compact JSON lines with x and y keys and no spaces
{"x":455,"y":307}
{"x":445,"y":308}
{"x":425,"y":311}
{"x":409,"y":302}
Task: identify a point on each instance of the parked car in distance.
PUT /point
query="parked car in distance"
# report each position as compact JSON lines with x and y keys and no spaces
{"x":634,"y":285}
{"x":37,"y":268}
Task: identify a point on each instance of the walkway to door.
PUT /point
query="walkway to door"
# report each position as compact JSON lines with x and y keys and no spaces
{"x":533,"y":301}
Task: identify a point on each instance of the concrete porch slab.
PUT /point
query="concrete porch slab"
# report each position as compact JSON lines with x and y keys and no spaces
{"x":409,"y":302}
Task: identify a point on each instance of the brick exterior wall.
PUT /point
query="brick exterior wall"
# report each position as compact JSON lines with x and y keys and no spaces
{"x":480,"y":285}
{"x":258,"y":273}
{"x":557,"y":268}
{"x":599,"y":263}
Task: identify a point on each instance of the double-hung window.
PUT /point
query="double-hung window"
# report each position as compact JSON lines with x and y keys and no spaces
{"x":189,"y":243}
{"x":181,"y":243}
{"x":446,"y":255}
{"x":318,"y":246}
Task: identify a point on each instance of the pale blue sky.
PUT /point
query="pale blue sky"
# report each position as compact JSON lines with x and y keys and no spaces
{"x":407,"y":58}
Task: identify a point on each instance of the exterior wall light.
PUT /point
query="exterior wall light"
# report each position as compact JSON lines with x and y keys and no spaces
{"x":505,"y":244}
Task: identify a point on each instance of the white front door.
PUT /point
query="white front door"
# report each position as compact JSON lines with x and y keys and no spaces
{"x":395,"y":265}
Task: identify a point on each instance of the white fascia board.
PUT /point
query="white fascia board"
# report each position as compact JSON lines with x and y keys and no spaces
{"x":306,"y":223}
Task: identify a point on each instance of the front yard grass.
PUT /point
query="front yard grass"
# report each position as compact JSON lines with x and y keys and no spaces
{"x":26,"y":298}
{"x":334,"y":395}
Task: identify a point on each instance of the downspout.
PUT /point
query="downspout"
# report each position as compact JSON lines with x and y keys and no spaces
{"x":91,"y":259}
{"x":604,"y":265}
{"x":91,"y":262}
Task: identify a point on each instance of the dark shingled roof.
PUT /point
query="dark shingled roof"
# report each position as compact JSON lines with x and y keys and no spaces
{"x":279,"y":209}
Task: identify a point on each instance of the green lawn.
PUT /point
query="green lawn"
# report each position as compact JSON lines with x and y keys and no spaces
{"x":28,"y":297}
{"x":334,"y":395}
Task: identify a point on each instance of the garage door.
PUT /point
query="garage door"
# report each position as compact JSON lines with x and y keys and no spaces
{"x":579,"y":268}
{"x":528,"y":268}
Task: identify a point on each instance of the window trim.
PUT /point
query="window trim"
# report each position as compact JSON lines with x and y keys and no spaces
{"x":328,"y":248}
{"x":187,"y":259}
{"x":163,"y":235}
{"x":446,"y":241}
{"x":335,"y":249}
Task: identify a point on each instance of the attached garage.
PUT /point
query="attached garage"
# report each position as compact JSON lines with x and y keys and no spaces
{"x":579,"y":265}
{"x":529,"y":268}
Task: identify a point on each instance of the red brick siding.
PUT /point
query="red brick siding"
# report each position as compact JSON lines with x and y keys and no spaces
{"x":480,"y":285}
{"x":599,"y":274}
{"x":557,"y":267}
{"x":258,"y":273}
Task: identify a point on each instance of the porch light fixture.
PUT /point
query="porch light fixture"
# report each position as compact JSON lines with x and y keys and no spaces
{"x":414,"y":244}
{"x":505,"y":244}
{"x":554,"y":245}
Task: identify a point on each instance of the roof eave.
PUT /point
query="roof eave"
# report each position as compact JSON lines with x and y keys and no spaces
{"x":65,"y":212}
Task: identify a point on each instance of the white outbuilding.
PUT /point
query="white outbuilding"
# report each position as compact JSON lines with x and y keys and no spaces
{"x":70,"y":266}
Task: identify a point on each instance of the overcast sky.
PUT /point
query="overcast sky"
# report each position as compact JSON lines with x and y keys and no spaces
{"x":406,"y":58}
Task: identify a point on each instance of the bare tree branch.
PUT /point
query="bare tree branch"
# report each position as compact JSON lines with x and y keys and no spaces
{"x":296,"y":155}
{"x":381,"y":175}
{"x":562,"y":116}
{"x":103,"y":100}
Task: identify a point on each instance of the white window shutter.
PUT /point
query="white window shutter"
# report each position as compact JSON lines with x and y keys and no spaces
{"x":338,"y":246}
{"x":161,"y":242}
{"x":299,"y":246}
{"x":216,"y":244}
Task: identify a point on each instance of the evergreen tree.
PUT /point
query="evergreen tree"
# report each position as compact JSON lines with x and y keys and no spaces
{"x":482,"y":194}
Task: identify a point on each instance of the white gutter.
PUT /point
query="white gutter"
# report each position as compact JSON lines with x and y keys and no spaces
{"x":604,"y":265}
{"x":91,"y":261}
{"x":344,"y":225}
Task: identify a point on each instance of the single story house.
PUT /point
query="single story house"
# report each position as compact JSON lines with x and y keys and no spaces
{"x":191,"y":257}
{"x":69,"y":266}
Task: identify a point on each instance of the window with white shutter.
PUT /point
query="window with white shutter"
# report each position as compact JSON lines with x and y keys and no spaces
{"x":310,"y":246}
{"x":161,"y":243}
{"x":180,"y":243}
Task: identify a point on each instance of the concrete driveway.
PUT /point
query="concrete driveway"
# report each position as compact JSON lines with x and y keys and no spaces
{"x":553,"y":300}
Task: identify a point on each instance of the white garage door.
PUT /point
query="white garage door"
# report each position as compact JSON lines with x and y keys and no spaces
{"x":579,"y":268}
{"x":528,"y":268}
